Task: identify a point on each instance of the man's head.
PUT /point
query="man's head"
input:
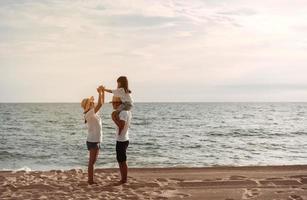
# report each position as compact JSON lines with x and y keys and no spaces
{"x":116,"y":102}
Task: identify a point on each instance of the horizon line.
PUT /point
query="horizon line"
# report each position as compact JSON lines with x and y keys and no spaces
{"x":56,"y":102}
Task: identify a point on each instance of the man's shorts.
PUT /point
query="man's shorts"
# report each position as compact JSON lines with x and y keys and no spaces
{"x":121,"y":148}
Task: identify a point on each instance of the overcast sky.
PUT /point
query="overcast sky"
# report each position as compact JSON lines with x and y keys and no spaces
{"x":171,"y":50}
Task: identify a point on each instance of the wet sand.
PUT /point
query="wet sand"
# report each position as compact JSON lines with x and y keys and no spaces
{"x":225,"y":183}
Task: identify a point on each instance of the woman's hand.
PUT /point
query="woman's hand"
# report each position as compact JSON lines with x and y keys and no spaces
{"x":100,"y":89}
{"x":100,"y":98}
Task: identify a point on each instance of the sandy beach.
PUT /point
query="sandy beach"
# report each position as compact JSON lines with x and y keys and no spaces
{"x":225,"y":183}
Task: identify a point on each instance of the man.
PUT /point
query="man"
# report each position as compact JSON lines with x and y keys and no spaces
{"x":122,"y":121}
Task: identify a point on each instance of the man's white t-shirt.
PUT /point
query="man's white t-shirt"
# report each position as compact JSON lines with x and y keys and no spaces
{"x":126,"y":116}
{"x":94,"y":126}
{"x":124,"y":97}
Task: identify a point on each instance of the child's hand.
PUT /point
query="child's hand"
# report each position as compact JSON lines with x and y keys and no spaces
{"x":101,"y":87}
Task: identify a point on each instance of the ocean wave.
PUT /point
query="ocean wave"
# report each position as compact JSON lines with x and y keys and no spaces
{"x":9,"y":155}
{"x":140,"y":123}
{"x":25,"y":168}
{"x":55,"y":136}
{"x":216,"y":134}
{"x":299,"y":133}
{"x":28,"y":155}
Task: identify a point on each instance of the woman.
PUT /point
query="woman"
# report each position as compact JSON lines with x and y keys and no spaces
{"x":94,"y":137}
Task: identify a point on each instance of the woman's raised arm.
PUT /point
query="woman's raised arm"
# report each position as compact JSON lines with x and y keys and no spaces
{"x":100,"y":98}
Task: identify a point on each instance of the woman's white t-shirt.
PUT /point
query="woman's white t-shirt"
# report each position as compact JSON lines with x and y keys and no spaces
{"x":94,"y":126}
{"x":124,"y":97}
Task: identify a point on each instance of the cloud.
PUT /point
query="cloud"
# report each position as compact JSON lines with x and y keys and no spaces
{"x":240,"y":12}
{"x":126,"y":21}
{"x":160,"y":44}
{"x":263,"y":87}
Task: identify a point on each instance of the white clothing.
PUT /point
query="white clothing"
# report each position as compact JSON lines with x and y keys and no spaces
{"x":124,"y":97}
{"x":126,"y":116}
{"x":93,"y":122}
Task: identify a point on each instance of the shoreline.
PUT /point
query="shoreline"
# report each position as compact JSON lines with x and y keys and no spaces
{"x":216,"y":182}
{"x":214,"y":167}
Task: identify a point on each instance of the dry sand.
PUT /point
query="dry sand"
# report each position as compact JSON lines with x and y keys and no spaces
{"x":225,"y":183}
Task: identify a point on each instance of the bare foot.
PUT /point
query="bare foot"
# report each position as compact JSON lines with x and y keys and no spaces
{"x":92,"y":183}
{"x":121,"y":182}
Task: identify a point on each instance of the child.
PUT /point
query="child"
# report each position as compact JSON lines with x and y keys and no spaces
{"x":94,"y":136}
{"x":123,"y":93}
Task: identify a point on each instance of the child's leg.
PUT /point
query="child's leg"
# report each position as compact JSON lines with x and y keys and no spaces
{"x":123,"y":106}
{"x":92,"y":160}
{"x":115,"y":116}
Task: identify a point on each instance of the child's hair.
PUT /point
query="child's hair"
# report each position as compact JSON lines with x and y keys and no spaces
{"x":124,"y":83}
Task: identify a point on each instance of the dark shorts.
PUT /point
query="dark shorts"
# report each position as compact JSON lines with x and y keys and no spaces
{"x":121,"y":148}
{"x":92,"y":145}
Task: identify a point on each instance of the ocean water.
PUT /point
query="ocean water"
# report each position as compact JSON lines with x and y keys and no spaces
{"x":52,"y":136}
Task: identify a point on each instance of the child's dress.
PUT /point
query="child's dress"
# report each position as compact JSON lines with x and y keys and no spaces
{"x":127,"y":102}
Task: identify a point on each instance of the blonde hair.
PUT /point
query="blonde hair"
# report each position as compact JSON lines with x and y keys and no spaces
{"x":86,"y":103}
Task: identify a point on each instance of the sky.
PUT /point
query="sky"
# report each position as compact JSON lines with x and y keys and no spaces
{"x":170,"y":50}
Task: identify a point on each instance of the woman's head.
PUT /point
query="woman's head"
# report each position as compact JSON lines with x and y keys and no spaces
{"x":122,"y":82}
{"x":87,"y":103}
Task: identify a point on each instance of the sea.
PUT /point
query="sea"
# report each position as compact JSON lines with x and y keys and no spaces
{"x":45,"y":136}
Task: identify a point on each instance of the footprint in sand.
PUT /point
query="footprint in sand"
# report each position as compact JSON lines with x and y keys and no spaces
{"x":295,"y":197}
{"x":273,"y":178}
{"x":235,"y":177}
{"x":183,"y":196}
{"x":176,"y":179}
{"x":251,"y":193}
{"x":162,"y":180}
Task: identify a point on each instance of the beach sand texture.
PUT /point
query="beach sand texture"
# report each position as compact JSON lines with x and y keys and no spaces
{"x":225,"y":183}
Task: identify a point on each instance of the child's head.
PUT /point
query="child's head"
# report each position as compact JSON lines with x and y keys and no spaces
{"x":87,"y":103}
{"x":122,"y":82}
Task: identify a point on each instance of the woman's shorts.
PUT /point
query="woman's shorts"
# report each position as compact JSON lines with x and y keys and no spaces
{"x":92,"y":145}
{"x":121,"y":148}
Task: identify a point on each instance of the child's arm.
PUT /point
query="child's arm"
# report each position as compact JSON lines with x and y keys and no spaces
{"x":108,"y":90}
{"x":100,"y":99}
